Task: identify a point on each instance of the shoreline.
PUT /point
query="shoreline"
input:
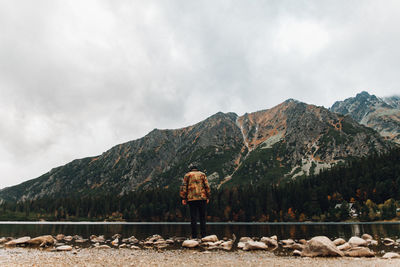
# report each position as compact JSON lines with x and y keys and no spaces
{"x":185,"y":257}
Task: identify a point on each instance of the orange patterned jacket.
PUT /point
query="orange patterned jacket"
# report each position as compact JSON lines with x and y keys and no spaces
{"x":195,"y":186}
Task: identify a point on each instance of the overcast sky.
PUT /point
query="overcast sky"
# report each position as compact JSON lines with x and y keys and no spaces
{"x":78,"y":77}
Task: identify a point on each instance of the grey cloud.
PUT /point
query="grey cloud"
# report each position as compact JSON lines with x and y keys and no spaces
{"x":78,"y":77}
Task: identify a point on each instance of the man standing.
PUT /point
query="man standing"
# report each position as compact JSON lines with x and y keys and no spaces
{"x":195,"y":191}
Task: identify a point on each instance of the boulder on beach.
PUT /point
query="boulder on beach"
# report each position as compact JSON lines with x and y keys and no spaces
{"x":356,"y":241}
{"x":366,"y":237}
{"x":345,"y":246}
{"x":190,"y":243}
{"x":391,"y":255}
{"x":388,"y":242}
{"x":339,"y":241}
{"x":359,"y":252}
{"x":64,"y":248}
{"x":210,"y":238}
{"x":60,"y":237}
{"x":270,"y":242}
{"x":45,"y":240}
{"x":18,"y":241}
{"x":321,"y":246}
{"x":255,"y":245}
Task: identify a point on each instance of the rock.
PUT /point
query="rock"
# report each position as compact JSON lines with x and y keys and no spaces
{"x":321,"y":246}
{"x":134,"y":247}
{"x":18,"y":241}
{"x":274,"y":237}
{"x":297,"y":246}
{"x":391,"y":255}
{"x":355,"y":241}
{"x":64,"y":248}
{"x":339,"y":241}
{"x":160,"y":242}
{"x":123,"y":246}
{"x":77,"y":237}
{"x":116,"y":236}
{"x":81,"y":240}
{"x":190,"y":243}
{"x":345,"y":246}
{"x":103,"y":247}
{"x":154,"y":238}
{"x":210,"y":238}
{"x":60,"y":237}
{"x":296,"y":252}
{"x":241,"y":245}
{"x":388,"y":242}
{"x":255,"y":245}
{"x":303,"y":241}
{"x":227,"y":245}
{"x":359,"y":252}
{"x":366,"y":237}
{"x":3,"y":240}
{"x":287,"y":242}
{"x":245,"y":239}
{"x":170,"y":241}
{"x":373,"y":242}
{"x":213,"y":244}
{"x":97,"y":239}
{"x":115,"y":242}
{"x":42,"y":241}
{"x":68,"y":238}
{"x":270,"y":242}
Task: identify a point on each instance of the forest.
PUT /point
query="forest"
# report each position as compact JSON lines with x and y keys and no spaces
{"x":365,"y":189}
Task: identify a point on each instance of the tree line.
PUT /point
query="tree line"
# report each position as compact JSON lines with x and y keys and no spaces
{"x":365,"y":189}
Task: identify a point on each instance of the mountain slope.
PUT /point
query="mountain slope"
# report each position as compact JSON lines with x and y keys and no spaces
{"x":272,"y":145}
{"x":383,"y":115}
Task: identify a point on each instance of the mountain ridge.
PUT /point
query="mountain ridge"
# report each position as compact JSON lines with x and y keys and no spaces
{"x":267,"y":146}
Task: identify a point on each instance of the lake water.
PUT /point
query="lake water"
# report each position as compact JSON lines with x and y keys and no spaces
{"x":143,"y":230}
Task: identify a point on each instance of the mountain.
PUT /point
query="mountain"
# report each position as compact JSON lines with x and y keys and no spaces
{"x":381,"y":114}
{"x":268,"y":146}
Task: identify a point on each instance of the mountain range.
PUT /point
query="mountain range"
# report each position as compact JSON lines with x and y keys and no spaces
{"x":269,"y":146}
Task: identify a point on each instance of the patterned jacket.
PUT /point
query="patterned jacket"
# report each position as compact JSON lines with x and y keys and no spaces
{"x":195,"y":186}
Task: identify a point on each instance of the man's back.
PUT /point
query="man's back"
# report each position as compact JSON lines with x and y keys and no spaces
{"x":195,"y":186}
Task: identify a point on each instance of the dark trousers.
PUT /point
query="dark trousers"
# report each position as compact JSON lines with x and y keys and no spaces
{"x":198,"y":209}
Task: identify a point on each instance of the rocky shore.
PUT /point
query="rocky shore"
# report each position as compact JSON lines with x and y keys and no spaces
{"x":155,"y":250}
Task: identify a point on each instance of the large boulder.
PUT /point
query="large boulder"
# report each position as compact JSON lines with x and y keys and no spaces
{"x":321,"y":246}
{"x":255,"y":245}
{"x":190,"y":243}
{"x":355,"y":241}
{"x":359,"y":252}
{"x":18,"y":241}
{"x":210,"y":238}
{"x":45,"y":240}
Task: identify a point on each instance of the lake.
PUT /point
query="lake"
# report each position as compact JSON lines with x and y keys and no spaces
{"x":143,"y":230}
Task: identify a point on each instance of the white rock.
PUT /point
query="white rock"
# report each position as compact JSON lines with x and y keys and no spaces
{"x":134,"y":247}
{"x":287,"y":242}
{"x":321,"y":246}
{"x":345,"y":246}
{"x":339,"y":241}
{"x":18,"y":241}
{"x":274,"y":237}
{"x":210,"y":238}
{"x":227,"y":245}
{"x":245,"y":239}
{"x":103,"y":247}
{"x":64,"y":248}
{"x":359,"y":252}
{"x":296,"y":252}
{"x":190,"y":243}
{"x":255,"y":245}
{"x":270,"y":242}
{"x":68,"y":238}
{"x":373,"y":242}
{"x":241,"y":244}
{"x":123,"y":246}
{"x":366,"y":237}
{"x":355,"y":241}
{"x":391,"y":255}
{"x":388,"y":242}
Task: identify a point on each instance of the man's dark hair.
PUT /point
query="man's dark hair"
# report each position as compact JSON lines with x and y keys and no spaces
{"x":192,"y":167}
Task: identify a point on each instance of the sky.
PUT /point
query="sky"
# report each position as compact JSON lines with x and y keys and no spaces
{"x":78,"y":77}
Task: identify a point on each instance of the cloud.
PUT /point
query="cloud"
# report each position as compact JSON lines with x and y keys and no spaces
{"x":78,"y":77}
